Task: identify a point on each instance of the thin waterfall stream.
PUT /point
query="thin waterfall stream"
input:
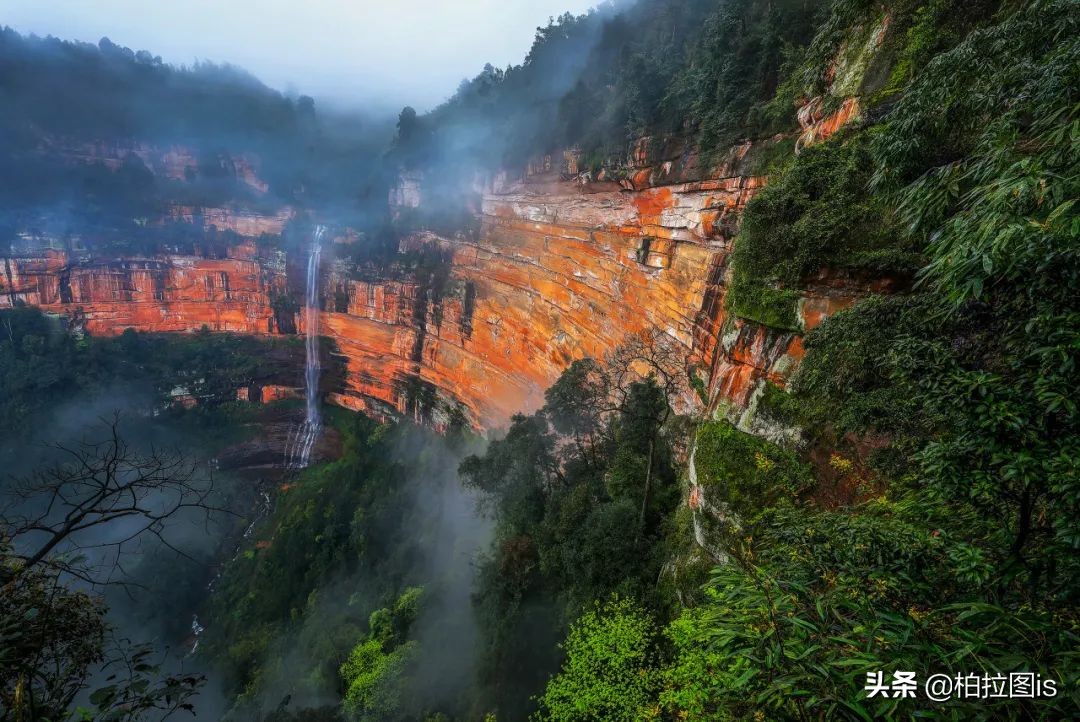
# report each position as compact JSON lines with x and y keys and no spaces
{"x":298,"y":448}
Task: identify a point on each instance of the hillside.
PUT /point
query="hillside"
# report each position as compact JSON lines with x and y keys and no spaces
{"x":766,"y":311}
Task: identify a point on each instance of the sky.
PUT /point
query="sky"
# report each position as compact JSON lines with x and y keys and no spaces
{"x":347,"y":53}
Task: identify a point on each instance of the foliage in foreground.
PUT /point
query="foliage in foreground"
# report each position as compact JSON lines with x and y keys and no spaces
{"x":59,"y":657}
{"x":940,"y":534}
{"x":609,"y":671}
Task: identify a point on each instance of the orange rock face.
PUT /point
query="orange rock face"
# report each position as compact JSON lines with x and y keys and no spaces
{"x":817,"y":126}
{"x":174,"y":162}
{"x":268,"y":393}
{"x":171,"y":293}
{"x":562,"y":269}
{"x":251,"y":225}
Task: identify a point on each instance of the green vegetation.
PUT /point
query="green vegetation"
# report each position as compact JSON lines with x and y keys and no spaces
{"x":601,"y":80}
{"x":924,"y":518}
{"x":932,"y":521}
{"x":736,"y":82}
{"x":844,"y":382}
{"x":580,"y":492}
{"x":314,"y":537}
{"x":717,"y":71}
{"x":814,"y":214}
{"x":921,"y":516}
{"x":65,"y":620}
{"x":609,"y":670}
{"x":42,"y":365}
{"x":772,"y":307}
{"x":76,"y":101}
{"x":59,"y":657}
{"x":743,"y":471}
{"x":377,"y":666}
{"x":322,"y":605}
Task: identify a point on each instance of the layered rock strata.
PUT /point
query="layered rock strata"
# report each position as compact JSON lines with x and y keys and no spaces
{"x":172,"y":162}
{"x":567,"y":264}
{"x":568,"y":268}
{"x":161,"y":294}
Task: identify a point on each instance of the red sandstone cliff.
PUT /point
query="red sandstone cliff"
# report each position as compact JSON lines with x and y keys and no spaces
{"x":172,"y":162}
{"x":167,"y":293}
{"x":566,"y":265}
{"x":564,"y":269}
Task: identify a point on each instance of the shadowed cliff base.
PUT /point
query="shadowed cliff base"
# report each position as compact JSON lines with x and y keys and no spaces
{"x":767,"y":311}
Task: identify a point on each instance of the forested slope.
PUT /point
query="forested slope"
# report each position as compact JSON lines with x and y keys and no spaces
{"x":896,"y":490}
{"x":908,"y":501}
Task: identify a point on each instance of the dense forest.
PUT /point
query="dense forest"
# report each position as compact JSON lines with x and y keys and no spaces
{"x":721,"y":71}
{"x":910,"y":501}
{"x":111,"y":500}
{"x":64,"y":99}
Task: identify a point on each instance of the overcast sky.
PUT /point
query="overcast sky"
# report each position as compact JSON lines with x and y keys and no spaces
{"x":344,"y":51}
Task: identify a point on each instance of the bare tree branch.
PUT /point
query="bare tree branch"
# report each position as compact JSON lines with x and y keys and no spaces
{"x":102,"y":497}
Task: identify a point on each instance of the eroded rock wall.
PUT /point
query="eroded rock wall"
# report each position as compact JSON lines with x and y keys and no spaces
{"x":162,"y":294}
{"x":566,"y":264}
{"x":563,"y":269}
{"x":171,"y":162}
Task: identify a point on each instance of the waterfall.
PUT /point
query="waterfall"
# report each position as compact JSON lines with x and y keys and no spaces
{"x":298,"y":447}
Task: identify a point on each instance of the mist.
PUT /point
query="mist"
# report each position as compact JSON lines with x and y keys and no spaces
{"x":413,"y":526}
{"x":351,"y":55}
{"x":113,"y":151}
{"x":151,"y":583}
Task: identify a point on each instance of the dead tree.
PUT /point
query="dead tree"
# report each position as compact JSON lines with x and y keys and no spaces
{"x":651,"y":353}
{"x":101,"y":497}
{"x":656,"y":355}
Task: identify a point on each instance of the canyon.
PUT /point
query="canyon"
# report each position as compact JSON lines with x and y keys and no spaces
{"x":675,"y":331}
{"x":566,"y":264}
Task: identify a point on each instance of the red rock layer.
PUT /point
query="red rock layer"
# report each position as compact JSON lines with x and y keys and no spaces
{"x":242,"y":223}
{"x":564,"y":270}
{"x":169,"y":293}
{"x":817,"y":126}
{"x":565,"y":266}
{"x":173,"y":162}
{"x":569,"y":265}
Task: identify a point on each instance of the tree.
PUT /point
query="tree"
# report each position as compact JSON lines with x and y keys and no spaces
{"x":649,"y":372}
{"x":576,"y":405}
{"x":50,"y":638}
{"x":54,"y":639}
{"x":411,"y":145}
{"x":609,"y":674}
{"x":517,"y":471}
{"x":579,"y":491}
{"x":407,"y":125}
{"x":649,"y":354}
{"x":378,"y":667}
{"x":639,"y":456}
{"x":56,"y":515}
